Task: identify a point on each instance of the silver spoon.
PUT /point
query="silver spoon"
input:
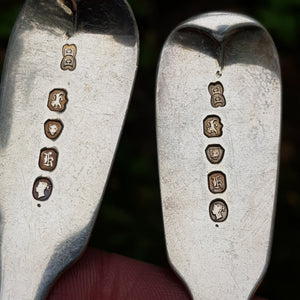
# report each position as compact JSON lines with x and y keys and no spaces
{"x":66,"y":84}
{"x":218,"y":129}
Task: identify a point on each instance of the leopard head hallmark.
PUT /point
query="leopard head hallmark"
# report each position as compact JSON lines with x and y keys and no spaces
{"x":215,"y":153}
{"x":53,"y":129}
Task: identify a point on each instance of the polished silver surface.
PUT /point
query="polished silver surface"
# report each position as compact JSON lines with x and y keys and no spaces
{"x":72,"y":63}
{"x":219,"y":86}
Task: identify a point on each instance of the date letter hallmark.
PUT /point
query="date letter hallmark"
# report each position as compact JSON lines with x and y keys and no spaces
{"x":216,"y":91}
{"x":217,"y":182}
{"x":215,"y":153}
{"x":212,"y":126}
{"x":69,"y":57}
{"x":53,"y":129}
{"x":42,"y":189}
{"x":218,"y":210}
{"x":57,"y":100}
{"x":48,"y":159}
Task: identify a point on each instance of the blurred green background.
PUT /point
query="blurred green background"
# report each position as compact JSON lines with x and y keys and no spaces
{"x":130,"y":221}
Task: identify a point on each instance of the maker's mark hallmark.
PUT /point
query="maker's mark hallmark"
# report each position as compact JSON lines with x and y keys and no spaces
{"x":69,"y":57}
{"x":57,"y":100}
{"x":215,"y":153}
{"x":53,"y":129}
{"x":217,"y":182}
{"x":216,"y":91}
{"x":212,"y":126}
{"x":48,"y":159}
{"x":218,"y":210}
{"x":42,"y":189}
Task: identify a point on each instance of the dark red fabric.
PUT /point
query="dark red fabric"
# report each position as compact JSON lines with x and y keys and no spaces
{"x":106,"y":276}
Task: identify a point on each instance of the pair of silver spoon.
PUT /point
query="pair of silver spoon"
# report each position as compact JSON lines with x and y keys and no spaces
{"x":66,"y":84}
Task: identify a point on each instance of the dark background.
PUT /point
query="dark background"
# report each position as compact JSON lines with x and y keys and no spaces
{"x":130,"y":221}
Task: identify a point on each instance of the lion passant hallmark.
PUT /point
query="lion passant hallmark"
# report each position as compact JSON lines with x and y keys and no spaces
{"x":213,"y":126}
{"x":57,"y":100}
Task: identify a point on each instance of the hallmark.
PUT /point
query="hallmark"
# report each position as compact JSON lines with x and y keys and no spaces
{"x":42,"y":189}
{"x":217,"y":182}
{"x":215,"y":153}
{"x":212,"y":126}
{"x":57,"y":100}
{"x":69,"y":61}
{"x":48,"y":159}
{"x":218,"y":210}
{"x":53,"y":129}
{"x":216,"y":91}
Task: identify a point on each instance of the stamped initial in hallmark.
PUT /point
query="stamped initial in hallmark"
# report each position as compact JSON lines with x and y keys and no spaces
{"x":57,"y":100}
{"x":69,"y":57}
{"x":212,"y":126}
{"x":218,"y":210}
{"x":217,"y":182}
{"x":216,"y":91}
{"x":53,"y":129}
{"x":42,"y":189}
{"x":214,"y":153}
{"x":48,"y":159}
